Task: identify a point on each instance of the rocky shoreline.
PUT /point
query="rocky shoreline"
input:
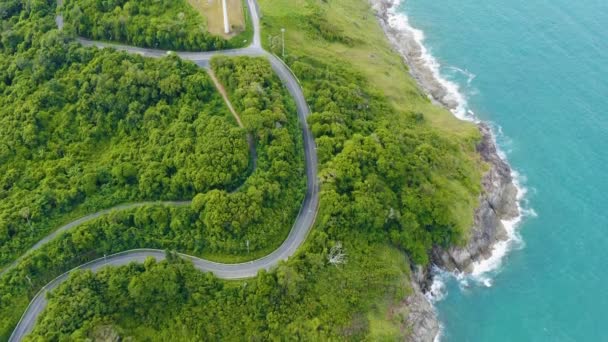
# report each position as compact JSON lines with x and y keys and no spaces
{"x":497,"y":202}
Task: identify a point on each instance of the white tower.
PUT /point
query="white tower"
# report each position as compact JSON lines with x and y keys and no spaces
{"x":226,"y":23}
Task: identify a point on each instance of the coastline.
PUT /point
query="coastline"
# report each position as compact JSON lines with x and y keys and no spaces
{"x":499,"y":210}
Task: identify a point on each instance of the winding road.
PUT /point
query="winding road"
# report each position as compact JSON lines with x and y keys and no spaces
{"x":303,"y":223}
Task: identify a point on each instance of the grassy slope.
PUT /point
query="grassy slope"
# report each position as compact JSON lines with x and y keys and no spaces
{"x":371,"y":55}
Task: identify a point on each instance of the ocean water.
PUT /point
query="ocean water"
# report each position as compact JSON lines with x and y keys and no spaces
{"x":537,"y":70}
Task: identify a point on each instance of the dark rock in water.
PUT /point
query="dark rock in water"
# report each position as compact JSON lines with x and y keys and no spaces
{"x":422,"y":317}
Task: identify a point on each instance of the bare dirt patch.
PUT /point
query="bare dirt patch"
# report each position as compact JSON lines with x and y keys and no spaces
{"x":212,"y":11}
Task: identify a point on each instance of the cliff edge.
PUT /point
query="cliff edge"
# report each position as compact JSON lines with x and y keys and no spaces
{"x":497,"y":202}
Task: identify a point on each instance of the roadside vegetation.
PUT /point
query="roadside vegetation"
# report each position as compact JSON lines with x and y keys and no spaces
{"x":399,"y":176}
{"x":164,"y":24}
{"x":171,"y":300}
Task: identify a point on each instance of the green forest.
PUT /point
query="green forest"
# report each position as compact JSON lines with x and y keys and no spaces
{"x":94,"y":128}
{"x":173,"y":301}
{"x":100,"y":128}
{"x":216,"y":225}
{"x":263,"y":211}
{"x":386,"y":175}
{"x":160,"y":24}
{"x":398,"y":177}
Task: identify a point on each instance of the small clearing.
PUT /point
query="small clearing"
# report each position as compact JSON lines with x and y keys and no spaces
{"x":212,"y":11}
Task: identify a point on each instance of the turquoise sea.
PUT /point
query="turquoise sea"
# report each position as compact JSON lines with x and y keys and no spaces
{"x":538,"y":70}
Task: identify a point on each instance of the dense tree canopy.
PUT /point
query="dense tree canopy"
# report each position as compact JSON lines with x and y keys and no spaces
{"x":162,"y":24}
{"x":103,"y":128}
{"x":110,"y":127}
{"x":172,"y":301}
{"x":387,"y":174}
{"x":90,"y":129}
{"x":262,"y":212}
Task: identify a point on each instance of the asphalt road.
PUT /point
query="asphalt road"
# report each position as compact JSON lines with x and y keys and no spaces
{"x":303,"y":223}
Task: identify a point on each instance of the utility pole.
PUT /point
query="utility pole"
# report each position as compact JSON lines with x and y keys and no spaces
{"x":283,"y":38}
{"x":247,"y":246}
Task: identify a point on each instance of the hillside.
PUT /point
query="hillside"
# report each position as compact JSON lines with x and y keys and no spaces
{"x":398,"y":176}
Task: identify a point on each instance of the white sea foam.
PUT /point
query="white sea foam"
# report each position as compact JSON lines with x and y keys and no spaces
{"x":439,"y":334}
{"x":483,"y":270}
{"x":400,"y":22}
{"x":456,"y":101}
{"x":469,"y":75}
{"x":437,"y":291}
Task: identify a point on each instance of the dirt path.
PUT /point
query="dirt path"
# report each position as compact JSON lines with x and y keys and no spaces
{"x":222,"y":91}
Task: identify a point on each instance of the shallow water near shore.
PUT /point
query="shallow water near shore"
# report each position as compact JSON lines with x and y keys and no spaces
{"x":537,"y":70}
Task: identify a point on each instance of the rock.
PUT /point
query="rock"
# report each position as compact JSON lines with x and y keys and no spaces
{"x":421,"y":316}
{"x":498,"y":183}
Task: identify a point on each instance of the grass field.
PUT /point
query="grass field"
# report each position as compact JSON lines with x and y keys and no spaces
{"x":370,"y":53}
{"x":212,"y":11}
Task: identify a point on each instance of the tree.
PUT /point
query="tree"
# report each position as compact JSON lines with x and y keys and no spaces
{"x":25,"y":213}
{"x":336,"y":255}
